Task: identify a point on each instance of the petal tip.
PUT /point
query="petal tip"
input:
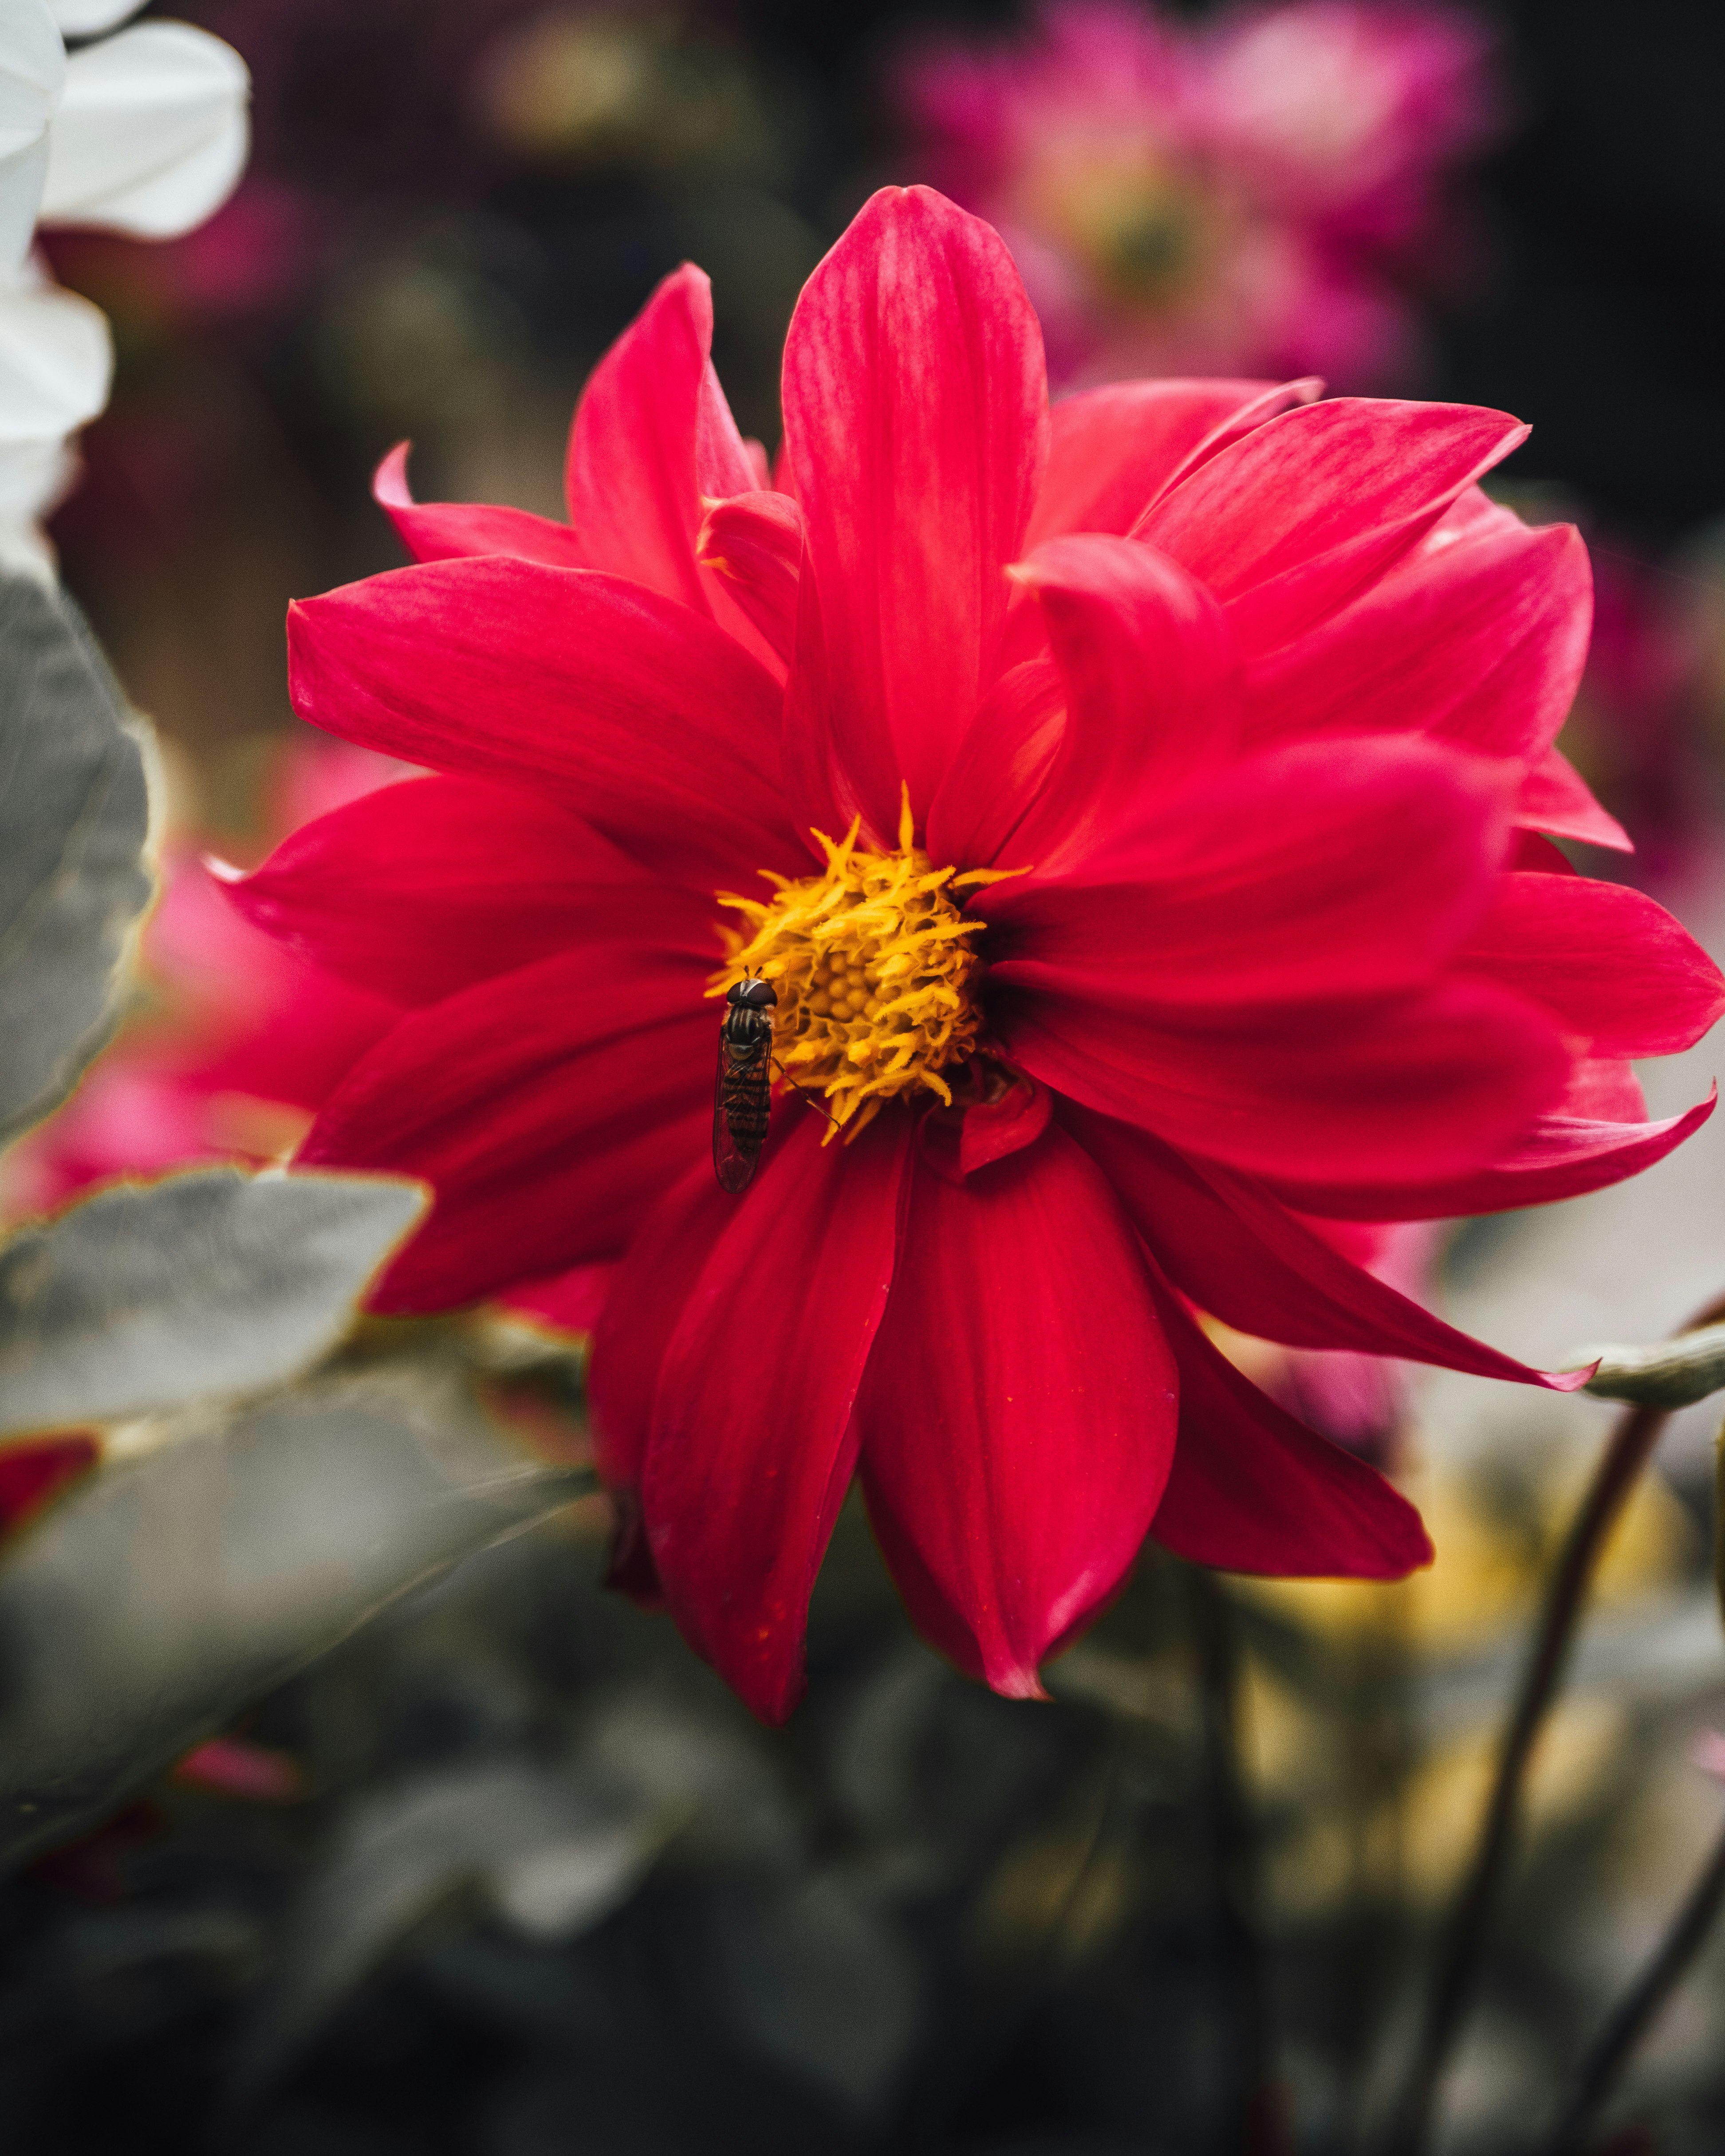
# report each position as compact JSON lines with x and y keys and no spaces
{"x":1016,"y":1680}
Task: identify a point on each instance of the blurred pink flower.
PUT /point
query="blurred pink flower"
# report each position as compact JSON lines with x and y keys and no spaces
{"x":1254,"y":194}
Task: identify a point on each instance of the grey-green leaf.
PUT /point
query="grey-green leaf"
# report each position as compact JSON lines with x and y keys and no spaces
{"x":74,"y":819}
{"x":170,"y":1590}
{"x":144,"y":1299}
{"x":553,"y":1847}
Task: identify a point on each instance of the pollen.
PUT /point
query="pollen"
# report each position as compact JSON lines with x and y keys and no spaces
{"x":877,"y":975}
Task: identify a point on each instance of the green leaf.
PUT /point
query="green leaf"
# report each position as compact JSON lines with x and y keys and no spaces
{"x":146,"y":1298}
{"x":74,"y":819}
{"x":169,"y":1590}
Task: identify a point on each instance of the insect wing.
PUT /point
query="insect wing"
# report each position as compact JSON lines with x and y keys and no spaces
{"x":740,"y":1097}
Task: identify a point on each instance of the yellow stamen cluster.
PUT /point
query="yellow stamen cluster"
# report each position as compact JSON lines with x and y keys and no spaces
{"x":876,"y":978}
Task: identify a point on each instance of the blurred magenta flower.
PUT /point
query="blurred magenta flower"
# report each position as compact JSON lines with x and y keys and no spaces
{"x":1252,"y":194}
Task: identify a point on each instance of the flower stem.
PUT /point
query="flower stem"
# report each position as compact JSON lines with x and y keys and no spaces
{"x":1251,"y":2128}
{"x":1630,"y":1447}
{"x":1617,"y":2041}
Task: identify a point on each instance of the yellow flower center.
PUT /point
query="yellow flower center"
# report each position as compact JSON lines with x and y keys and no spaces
{"x":876,"y":977}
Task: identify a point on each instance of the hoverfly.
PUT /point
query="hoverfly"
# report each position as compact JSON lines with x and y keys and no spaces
{"x":742,"y":1093}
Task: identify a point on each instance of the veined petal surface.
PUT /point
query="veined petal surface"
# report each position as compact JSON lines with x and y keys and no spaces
{"x":1016,"y":1434}
{"x":916,"y":418}
{"x":648,"y":720}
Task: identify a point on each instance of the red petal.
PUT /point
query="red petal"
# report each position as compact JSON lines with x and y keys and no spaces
{"x":507,"y":670}
{"x":1001,"y":765}
{"x":571,"y":1302}
{"x":754,"y":543}
{"x":652,"y":434}
{"x":1538,"y":856}
{"x":915,"y":415}
{"x":1019,"y":1411}
{"x":1272,"y":399}
{"x":1110,"y":451}
{"x":1603,"y":1090}
{"x":752,"y":1447}
{"x":1614,"y":966}
{"x":1561,"y":1156}
{"x":647,"y":1294}
{"x":1556,"y":798}
{"x":548,"y":1108}
{"x":838,"y":766}
{"x":1151,"y":687}
{"x":1254,"y":1490}
{"x":451,"y":530}
{"x":1334,"y":871}
{"x":1481,"y":640}
{"x":1318,"y":478}
{"x":957,"y":1142}
{"x":1239,"y":1255}
{"x":1434,"y":1087}
{"x":425,"y":888}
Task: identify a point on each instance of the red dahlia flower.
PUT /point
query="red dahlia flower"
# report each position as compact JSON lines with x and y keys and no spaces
{"x":1140,"y":790}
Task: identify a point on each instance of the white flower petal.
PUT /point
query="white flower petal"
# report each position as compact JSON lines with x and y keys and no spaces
{"x":150,"y":133}
{"x":56,"y":360}
{"x":32,"y":68}
{"x":89,"y":18}
{"x":33,"y":478}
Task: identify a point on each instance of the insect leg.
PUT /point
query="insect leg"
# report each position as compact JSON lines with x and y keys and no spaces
{"x":806,"y":1099}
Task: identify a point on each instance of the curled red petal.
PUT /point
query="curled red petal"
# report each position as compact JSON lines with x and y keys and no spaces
{"x":1018,"y":1412}
{"x":451,"y":530}
{"x":753,"y":542}
{"x":1557,"y":800}
{"x":955,"y":1141}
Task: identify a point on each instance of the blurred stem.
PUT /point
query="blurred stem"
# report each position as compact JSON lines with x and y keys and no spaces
{"x":1618,"y":2041}
{"x":1378,"y":1733}
{"x":1250,"y":2128}
{"x":1630,"y":1447}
